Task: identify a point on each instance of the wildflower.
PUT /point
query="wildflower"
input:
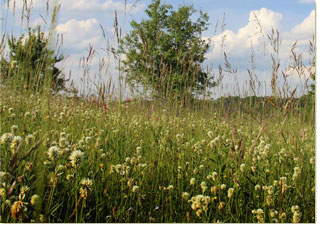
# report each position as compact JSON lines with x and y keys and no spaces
{"x":259,"y":215}
{"x":214,"y":189}
{"x":53,"y":152}
{"x":118,"y":168}
{"x":214,"y":176}
{"x":170,"y":187}
{"x":138,"y":149}
{"x":17,"y":209}
{"x":230,"y":192}
{"x":192,"y":181}
{"x":297,"y":170}
{"x":135,"y":189}
{"x":242,"y":167}
{"x":185,"y":195}
{"x":29,"y":139}
{"x":223,"y":186}
{"x":273,"y":213}
{"x":88,"y":140}
{"x":282,"y":215}
{"x":34,"y":199}
{"x":195,"y":171}
{"x":127,"y":159}
{"x":87,"y":183}
{"x":27,"y":114}
{"x":10,"y":110}
{"x":15,"y":142}
{"x":133,"y":161}
{"x":269,"y":200}
{"x":6,"y":138}
{"x":283,"y":180}
{"x":253,"y":169}
{"x":210,"y":134}
{"x":76,"y":157}
{"x":296,"y":217}
{"x":199,"y":212}
{"x":270,"y":190}
{"x":221,"y":205}
{"x":203,"y":186}
{"x":275,"y":183}
{"x":294,"y":208}
{"x":69,"y":177}
{"x":14,"y":129}
{"x":201,"y":167}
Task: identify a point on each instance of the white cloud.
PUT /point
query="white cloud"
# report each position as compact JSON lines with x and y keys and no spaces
{"x":78,"y":34}
{"x":260,"y":21}
{"x":238,"y":44}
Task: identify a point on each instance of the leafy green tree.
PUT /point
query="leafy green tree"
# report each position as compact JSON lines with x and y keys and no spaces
{"x":31,"y":63}
{"x":164,"y":52}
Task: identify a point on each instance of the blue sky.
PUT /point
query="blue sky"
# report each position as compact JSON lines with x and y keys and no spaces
{"x":79,"y":21}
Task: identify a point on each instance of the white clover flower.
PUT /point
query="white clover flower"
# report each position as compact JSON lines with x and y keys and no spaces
{"x":15,"y":142}
{"x":170,"y":187}
{"x":6,"y":138}
{"x":118,"y":168}
{"x":135,"y":189}
{"x":76,"y":157}
{"x":223,"y":186}
{"x":214,"y":176}
{"x":294,"y":208}
{"x":273,"y":213}
{"x":296,"y":217}
{"x":34,"y":199}
{"x":185,"y":195}
{"x":29,"y":139}
{"x":53,"y":152}
{"x":14,"y":129}
{"x":242,"y":168}
{"x":283,"y":180}
{"x":87,"y":183}
{"x":230,"y":192}
{"x":210,"y":134}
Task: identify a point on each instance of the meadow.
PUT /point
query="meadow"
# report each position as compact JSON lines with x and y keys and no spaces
{"x":70,"y":160}
{"x":75,"y":158}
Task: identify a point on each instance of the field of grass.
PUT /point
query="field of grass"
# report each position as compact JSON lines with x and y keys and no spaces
{"x":69,"y":160}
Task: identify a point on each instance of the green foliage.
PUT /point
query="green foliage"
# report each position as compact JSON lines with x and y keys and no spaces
{"x":164,"y":52}
{"x":31,"y":63}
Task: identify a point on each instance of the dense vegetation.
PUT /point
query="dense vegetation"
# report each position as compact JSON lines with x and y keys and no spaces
{"x":93,"y":159}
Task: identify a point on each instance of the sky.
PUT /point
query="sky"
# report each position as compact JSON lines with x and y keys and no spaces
{"x":80,"y":23}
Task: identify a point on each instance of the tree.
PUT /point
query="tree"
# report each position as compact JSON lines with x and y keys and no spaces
{"x":164,"y":52}
{"x":31,"y":63}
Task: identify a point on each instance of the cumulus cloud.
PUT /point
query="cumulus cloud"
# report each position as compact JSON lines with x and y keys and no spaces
{"x":78,"y":34}
{"x":238,"y":45}
{"x":251,"y":35}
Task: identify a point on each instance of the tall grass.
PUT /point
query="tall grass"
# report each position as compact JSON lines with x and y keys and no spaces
{"x":102,"y":158}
